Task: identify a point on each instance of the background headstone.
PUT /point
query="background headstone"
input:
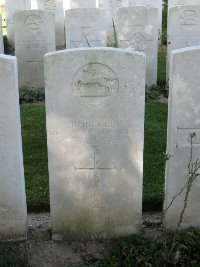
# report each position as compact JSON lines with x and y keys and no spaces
{"x":182,"y":2}
{"x":82,"y":4}
{"x":153,"y":3}
{"x":13,"y":212}
{"x":34,"y":4}
{"x":101,"y":3}
{"x":34,"y":37}
{"x":85,"y":27}
{"x":183,"y":28}
{"x":55,"y":6}
{"x":183,"y":119}
{"x":95,"y":128}
{"x":138,"y":30}
{"x":1,"y":37}
{"x":13,"y":6}
{"x":111,"y":7}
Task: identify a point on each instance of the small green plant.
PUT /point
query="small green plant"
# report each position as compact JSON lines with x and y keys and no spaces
{"x":164,"y":36}
{"x":139,"y":251}
{"x":7,"y":46}
{"x":187,"y":247}
{"x":115,"y":35}
{"x":31,"y":95}
{"x":87,"y":41}
{"x":115,"y":42}
{"x":135,"y":251}
{"x":152,"y":92}
{"x":164,"y":23}
{"x":193,"y":174}
{"x":10,"y":257}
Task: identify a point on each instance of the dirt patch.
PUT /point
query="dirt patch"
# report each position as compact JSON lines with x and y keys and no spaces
{"x":42,"y":251}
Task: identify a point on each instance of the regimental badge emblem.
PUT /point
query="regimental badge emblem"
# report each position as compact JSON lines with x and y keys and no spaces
{"x":95,"y":85}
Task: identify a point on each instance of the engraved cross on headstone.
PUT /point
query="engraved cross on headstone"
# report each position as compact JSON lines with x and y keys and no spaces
{"x":95,"y":169}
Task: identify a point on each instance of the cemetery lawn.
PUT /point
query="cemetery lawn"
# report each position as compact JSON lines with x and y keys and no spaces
{"x":162,"y":67}
{"x":36,"y":162}
{"x":35,"y":156}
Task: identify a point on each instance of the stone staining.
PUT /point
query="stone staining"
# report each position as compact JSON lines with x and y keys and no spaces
{"x":57,"y":7}
{"x":138,"y":30}
{"x":13,"y":6}
{"x":13,"y":212}
{"x":151,"y":3}
{"x":34,"y":37}
{"x":95,"y":128}
{"x":183,"y":120}
{"x":183,"y":28}
{"x":85,"y":28}
{"x":1,"y":37}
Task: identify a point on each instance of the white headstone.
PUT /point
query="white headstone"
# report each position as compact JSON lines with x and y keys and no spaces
{"x":95,"y":128}
{"x":85,"y":27}
{"x":34,"y":37}
{"x":1,"y":37}
{"x":13,"y":6}
{"x":183,"y":120}
{"x":100,"y":3}
{"x":83,"y":3}
{"x":182,"y":2}
{"x":34,"y":4}
{"x":153,"y":3}
{"x":111,"y":7}
{"x":183,"y":28}
{"x":13,"y":212}
{"x":138,"y":30}
{"x":55,"y":6}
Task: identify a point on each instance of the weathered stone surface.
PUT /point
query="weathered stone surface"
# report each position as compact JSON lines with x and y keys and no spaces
{"x":138,"y":30}
{"x":151,"y":3}
{"x":13,"y":6}
{"x":83,"y":4}
{"x":183,"y":120}
{"x":34,"y":4}
{"x":85,"y":27}
{"x":183,"y":28}
{"x":34,"y":37}
{"x":55,"y":6}
{"x":182,"y":2}
{"x":13,"y":212}
{"x":111,"y":7}
{"x":1,"y":37}
{"x":95,"y":128}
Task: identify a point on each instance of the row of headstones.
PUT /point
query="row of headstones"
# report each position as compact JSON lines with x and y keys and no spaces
{"x":95,"y":130}
{"x":137,"y":32}
{"x":58,"y":7}
{"x":183,"y":26}
{"x":35,"y":36}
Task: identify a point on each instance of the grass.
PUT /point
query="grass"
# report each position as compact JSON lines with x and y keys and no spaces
{"x":10,"y":256}
{"x":143,"y":252}
{"x":154,"y":160}
{"x":162,"y":67}
{"x":35,"y":155}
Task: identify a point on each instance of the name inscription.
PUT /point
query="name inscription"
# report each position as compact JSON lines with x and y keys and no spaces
{"x":7,"y":213}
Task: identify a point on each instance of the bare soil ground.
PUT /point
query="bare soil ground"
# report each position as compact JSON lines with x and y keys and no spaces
{"x":42,"y":251}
